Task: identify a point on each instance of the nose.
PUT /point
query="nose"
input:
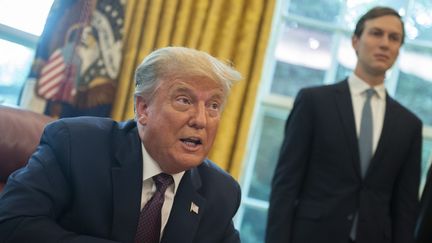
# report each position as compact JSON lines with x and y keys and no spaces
{"x":385,"y":41}
{"x":199,"y":116}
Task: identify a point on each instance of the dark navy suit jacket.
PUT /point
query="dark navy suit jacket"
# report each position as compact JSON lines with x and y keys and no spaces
{"x":317,"y":187}
{"x":83,"y":184}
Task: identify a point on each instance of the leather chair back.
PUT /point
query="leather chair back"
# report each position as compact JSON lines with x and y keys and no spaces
{"x":20,"y":132}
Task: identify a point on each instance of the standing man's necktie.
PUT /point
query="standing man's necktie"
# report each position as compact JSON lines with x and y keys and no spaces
{"x":366,"y":133}
{"x":365,"y":142}
{"x":149,"y":225}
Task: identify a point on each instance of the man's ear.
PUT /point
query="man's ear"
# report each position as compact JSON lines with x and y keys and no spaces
{"x":354,"y":42}
{"x":141,"y":107}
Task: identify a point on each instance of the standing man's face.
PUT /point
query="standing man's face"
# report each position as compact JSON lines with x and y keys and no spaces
{"x":178,"y":126}
{"x":378,"y":46}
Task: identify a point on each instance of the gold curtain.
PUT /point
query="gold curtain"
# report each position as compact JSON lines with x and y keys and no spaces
{"x":237,"y":31}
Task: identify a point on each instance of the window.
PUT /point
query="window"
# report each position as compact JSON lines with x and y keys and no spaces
{"x":308,"y":47}
{"x":21,"y":24}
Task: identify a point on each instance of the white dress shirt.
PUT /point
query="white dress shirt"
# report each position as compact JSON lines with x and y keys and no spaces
{"x":150,"y":169}
{"x":378,"y":102}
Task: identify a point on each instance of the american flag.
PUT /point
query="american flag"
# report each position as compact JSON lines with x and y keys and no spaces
{"x":56,"y":81}
{"x":52,"y":75}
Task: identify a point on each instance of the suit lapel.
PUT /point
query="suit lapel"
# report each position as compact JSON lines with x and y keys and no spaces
{"x":184,"y":218}
{"x":345,"y":108}
{"x":127,"y":183}
{"x":389,"y":117}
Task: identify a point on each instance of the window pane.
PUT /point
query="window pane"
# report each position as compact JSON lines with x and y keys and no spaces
{"x":302,"y":58}
{"x":314,"y":9}
{"x":253,"y":225}
{"x":419,"y":23}
{"x":267,"y":155}
{"x":25,"y":15}
{"x":426,"y":159}
{"x":414,"y":88}
{"x":342,"y":72}
{"x":15,"y":63}
{"x":346,"y":58}
{"x":355,"y":8}
{"x":427,"y":152}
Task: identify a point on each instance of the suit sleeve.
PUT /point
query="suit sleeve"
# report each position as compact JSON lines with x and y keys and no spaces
{"x":405,"y":202}
{"x":290,"y":170}
{"x":36,"y":195}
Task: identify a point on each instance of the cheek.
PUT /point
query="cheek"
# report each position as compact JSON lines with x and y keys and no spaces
{"x":212,"y":130}
{"x":396,"y":51}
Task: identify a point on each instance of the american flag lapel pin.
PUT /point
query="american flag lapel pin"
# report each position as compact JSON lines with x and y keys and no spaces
{"x":194,"y":208}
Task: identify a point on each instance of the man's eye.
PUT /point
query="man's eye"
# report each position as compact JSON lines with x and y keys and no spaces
{"x":396,"y":38}
{"x":184,"y":100}
{"x":376,"y":33}
{"x":214,"y":106}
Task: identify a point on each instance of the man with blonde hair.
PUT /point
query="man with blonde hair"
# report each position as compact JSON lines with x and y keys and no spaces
{"x":144,"y":180}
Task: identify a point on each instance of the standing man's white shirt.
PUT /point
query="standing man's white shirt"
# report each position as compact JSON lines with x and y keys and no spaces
{"x":378,"y":103}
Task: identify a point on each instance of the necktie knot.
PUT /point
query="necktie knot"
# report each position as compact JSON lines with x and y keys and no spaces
{"x":369,"y":93}
{"x":162,"y":181}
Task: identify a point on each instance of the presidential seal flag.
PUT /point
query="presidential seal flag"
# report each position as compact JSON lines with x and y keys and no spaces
{"x":78,"y":58}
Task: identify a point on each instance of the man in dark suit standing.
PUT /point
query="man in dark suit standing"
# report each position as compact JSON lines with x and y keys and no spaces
{"x":350,"y":162}
{"x":145,"y":180}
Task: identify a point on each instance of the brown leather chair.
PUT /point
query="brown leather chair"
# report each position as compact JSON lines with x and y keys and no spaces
{"x":20,"y":132}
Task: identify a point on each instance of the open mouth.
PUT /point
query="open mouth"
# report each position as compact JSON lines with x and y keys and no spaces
{"x":192,"y":141}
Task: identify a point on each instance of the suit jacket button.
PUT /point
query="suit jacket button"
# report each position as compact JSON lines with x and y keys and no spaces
{"x":350,"y":217}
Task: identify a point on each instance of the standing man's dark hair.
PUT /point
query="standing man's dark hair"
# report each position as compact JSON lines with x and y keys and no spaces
{"x":349,"y":165}
{"x":375,"y":13}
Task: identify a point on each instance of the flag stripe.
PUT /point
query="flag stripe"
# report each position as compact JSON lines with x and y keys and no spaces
{"x":53,"y":65}
{"x":53,"y":83}
{"x":52,"y":75}
{"x":49,"y":86}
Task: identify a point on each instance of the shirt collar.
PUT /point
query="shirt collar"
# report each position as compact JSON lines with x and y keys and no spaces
{"x":152,"y":168}
{"x":358,"y":86}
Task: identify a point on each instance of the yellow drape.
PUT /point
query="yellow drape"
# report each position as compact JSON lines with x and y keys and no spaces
{"x":236,"y":31}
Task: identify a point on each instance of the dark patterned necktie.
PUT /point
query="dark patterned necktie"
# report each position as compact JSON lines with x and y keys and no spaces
{"x":149,"y":225}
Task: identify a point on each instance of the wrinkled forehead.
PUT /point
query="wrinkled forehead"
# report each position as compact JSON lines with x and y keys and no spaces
{"x":198,"y":83}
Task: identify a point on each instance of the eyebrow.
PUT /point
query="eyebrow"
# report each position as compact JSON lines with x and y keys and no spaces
{"x":381,"y":29}
{"x":184,"y":89}
{"x":218,"y":96}
{"x":181,"y":88}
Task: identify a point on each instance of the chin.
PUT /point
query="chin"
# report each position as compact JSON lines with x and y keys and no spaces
{"x":188,"y":161}
{"x":380,"y":69}
{"x":192,"y":162}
